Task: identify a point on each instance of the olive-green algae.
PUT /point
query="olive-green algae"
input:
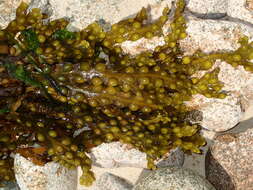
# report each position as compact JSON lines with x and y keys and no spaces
{"x":57,"y":83}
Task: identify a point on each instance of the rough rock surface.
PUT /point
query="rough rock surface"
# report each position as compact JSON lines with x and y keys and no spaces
{"x":108,"y":181}
{"x":213,"y":35}
{"x":84,"y":12}
{"x":141,"y":45}
{"x":52,"y":176}
{"x":208,"y":7}
{"x":173,"y":178}
{"x":116,"y":154}
{"x":209,"y":36}
{"x":241,"y":9}
{"x":235,"y":10}
{"x":229,"y":162}
{"x":218,"y":114}
{"x":7,"y":10}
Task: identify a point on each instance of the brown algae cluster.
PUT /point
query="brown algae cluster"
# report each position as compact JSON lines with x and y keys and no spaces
{"x":54,"y":82}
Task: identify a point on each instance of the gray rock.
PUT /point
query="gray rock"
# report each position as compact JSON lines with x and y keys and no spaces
{"x":173,"y":158}
{"x":241,"y":9}
{"x":116,"y":154}
{"x":108,"y":181}
{"x":229,"y":162}
{"x":173,"y":178}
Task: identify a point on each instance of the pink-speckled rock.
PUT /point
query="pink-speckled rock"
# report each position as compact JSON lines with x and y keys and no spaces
{"x":229,"y":162}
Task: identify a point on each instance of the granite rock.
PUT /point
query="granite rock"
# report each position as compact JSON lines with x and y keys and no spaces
{"x":229,"y":161}
{"x":8,"y":11}
{"x":51,"y":176}
{"x":210,"y":36}
{"x":213,"y":35}
{"x":116,"y":154}
{"x":241,"y":9}
{"x":209,"y":8}
{"x":173,"y":178}
{"x":108,"y":181}
{"x":218,"y":114}
{"x":83,"y":12}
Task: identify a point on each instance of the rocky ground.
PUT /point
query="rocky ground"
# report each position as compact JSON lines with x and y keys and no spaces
{"x":226,"y":163}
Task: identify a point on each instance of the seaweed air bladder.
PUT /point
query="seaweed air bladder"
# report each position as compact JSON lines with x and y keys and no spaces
{"x":54,"y":82}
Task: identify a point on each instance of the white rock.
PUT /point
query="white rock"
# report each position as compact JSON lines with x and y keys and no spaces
{"x":108,"y":181}
{"x":221,"y":115}
{"x":238,"y":82}
{"x":8,"y":11}
{"x":218,"y":114}
{"x":116,"y":154}
{"x":84,"y":12}
{"x":208,"y":6}
{"x":213,"y":35}
{"x":51,"y":176}
{"x":240,"y":9}
{"x":141,"y":45}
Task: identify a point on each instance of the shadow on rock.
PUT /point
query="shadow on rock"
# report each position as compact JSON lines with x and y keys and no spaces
{"x":217,"y":175}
